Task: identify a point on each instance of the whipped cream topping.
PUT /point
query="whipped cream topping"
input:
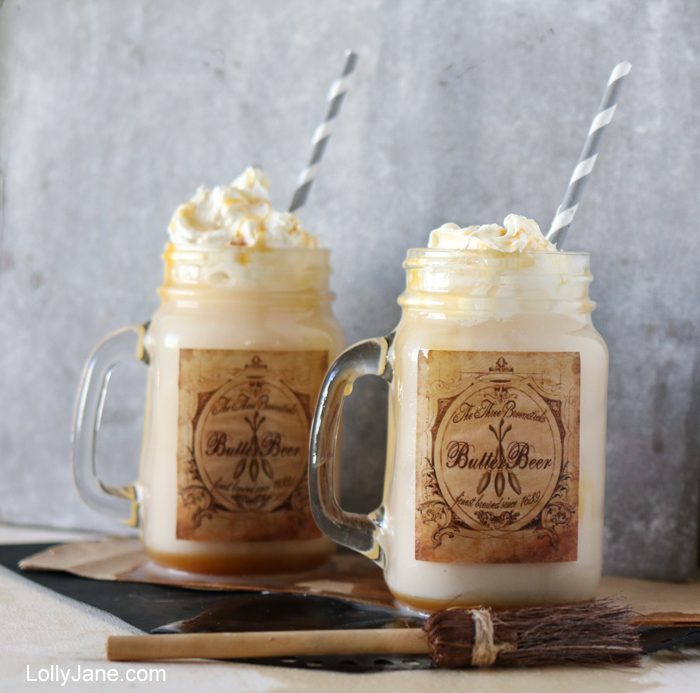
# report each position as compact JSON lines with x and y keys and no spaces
{"x":517,"y":235}
{"x":239,"y":215}
{"x":520,"y":273}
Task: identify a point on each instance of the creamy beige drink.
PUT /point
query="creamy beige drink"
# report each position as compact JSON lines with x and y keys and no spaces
{"x":236,"y":351}
{"x":498,"y":382}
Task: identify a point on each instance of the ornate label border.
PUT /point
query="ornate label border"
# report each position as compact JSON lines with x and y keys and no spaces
{"x":497,"y":466}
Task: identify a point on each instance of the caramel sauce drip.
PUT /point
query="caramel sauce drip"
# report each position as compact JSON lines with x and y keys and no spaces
{"x":237,"y":564}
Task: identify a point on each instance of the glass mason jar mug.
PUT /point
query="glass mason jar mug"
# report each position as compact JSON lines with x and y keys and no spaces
{"x":496,"y":433}
{"x":236,"y":353}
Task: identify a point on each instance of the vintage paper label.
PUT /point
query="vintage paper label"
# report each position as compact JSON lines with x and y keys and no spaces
{"x":497,"y":456}
{"x":243,"y":432}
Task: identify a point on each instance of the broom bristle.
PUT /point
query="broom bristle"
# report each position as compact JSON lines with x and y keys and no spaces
{"x":599,"y":632}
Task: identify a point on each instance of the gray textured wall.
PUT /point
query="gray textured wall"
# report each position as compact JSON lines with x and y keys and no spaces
{"x":111,"y":114}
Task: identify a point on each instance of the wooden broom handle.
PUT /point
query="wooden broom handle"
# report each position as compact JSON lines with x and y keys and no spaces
{"x":133,"y":648}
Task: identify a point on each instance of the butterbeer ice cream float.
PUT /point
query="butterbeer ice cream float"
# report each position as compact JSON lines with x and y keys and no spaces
{"x":495,"y":464}
{"x":236,"y":351}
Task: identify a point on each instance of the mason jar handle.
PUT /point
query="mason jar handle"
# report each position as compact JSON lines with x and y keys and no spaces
{"x":354,"y":530}
{"x":121,"y":345}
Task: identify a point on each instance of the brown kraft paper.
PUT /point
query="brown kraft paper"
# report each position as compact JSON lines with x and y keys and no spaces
{"x":497,"y":456}
{"x":349,"y":576}
{"x":243,"y":431}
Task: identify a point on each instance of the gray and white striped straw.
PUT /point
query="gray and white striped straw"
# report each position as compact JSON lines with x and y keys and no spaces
{"x":323,"y":132}
{"x":567,"y":209}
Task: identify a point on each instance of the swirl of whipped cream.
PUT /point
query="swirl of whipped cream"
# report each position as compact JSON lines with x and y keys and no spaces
{"x":517,"y":235}
{"x":239,"y":214}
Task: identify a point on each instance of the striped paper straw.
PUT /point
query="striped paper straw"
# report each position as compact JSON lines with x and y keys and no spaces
{"x":323,"y":132}
{"x":567,"y":209}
